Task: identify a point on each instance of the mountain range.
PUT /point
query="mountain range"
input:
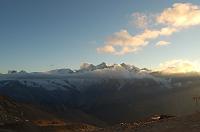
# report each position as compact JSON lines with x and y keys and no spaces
{"x":103,"y":95}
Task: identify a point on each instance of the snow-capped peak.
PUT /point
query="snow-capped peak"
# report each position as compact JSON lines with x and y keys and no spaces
{"x":12,"y":72}
{"x":60,"y":71}
{"x":87,"y":67}
{"x":16,"y":72}
{"x":101,"y":66}
{"x":90,"y":67}
{"x":130,"y":68}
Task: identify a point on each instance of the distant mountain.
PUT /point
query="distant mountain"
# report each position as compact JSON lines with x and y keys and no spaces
{"x":130,"y":68}
{"x":86,"y":71}
{"x":86,"y":67}
{"x":101,"y":66}
{"x":103,"y":94}
{"x":60,"y":71}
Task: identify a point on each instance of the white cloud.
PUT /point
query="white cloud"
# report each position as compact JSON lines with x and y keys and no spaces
{"x":140,"y":20}
{"x":167,"y":31}
{"x":143,"y":20}
{"x":176,"y":18}
{"x":162,"y":43}
{"x":180,"y":15}
{"x":179,"y":66}
{"x":107,"y":49}
{"x":122,"y":42}
{"x":127,"y":43}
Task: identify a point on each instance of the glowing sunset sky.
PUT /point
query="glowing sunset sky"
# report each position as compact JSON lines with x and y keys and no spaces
{"x":38,"y":35}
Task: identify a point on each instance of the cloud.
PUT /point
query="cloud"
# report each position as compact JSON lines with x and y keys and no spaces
{"x":106,"y":49}
{"x":174,"y":19}
{"x":140,"y":20}
{"x":143,"y":20}
{"x":179,"y":66}
{"x":180,"y":15}
{"x":162,"y":43}
{"x":167,"y":31}
{"x":123,"y":42}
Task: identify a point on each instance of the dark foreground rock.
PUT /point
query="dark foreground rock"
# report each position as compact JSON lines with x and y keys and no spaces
{"x":189,"y":123}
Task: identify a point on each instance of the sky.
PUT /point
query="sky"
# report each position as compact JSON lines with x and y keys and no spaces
{"x":39,"y":35}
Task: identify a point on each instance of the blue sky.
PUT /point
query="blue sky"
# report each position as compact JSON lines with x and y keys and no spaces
{"x":39,"y":35}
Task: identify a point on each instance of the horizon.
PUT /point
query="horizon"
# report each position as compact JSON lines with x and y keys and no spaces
{"x":46,"y":35}
{"x":170,"y":67}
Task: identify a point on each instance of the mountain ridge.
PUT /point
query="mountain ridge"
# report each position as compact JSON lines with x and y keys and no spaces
{"x":84,"y":68}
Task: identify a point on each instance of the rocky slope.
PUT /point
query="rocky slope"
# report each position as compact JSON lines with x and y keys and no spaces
{"x":16,"y":117}
{"x":189,"y":123}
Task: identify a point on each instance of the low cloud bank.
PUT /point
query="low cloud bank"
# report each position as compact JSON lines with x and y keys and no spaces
{"x":179,"y":66}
